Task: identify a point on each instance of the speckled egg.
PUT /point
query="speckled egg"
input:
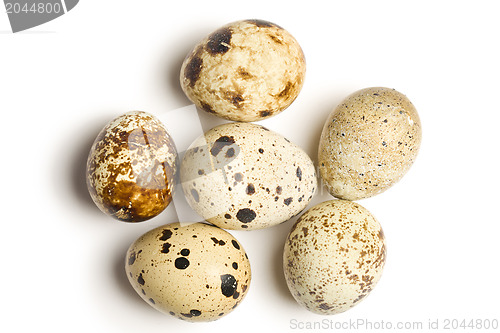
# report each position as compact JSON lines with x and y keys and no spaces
{"x":368,"y":143}
{"x":244,"y":176}
{"x":245,"y":71}
{"x":334,"y":256}
{"x":131,"y":167}
{"x":195,"y":272}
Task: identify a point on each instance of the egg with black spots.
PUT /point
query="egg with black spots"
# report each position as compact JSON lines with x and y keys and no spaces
{"x":132,"y":167}
{"x":244,"y":71}
{"x":242,"y":176}
{"x":334,"y":256}
{"x":368,"y":143}
{"x":195,"y":272}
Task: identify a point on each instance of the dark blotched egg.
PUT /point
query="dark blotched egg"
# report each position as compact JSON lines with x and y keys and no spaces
{"x":244,"y":71}
{"x":195,"y":272}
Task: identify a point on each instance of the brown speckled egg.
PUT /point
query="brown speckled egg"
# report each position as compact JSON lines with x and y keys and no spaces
{"x":334,"y":256}
{"x":195,"y":272}
{"x":368,"y":143}
{"x":243,"y":176}
{"x":131,"y":167}
{"x":245,"y":71}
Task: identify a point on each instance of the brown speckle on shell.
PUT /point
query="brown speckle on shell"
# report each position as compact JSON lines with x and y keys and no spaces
{"x":334,"y":256}
{"x":368,"y":143}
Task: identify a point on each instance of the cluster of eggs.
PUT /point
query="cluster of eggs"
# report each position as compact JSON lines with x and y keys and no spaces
{"x":242,"y":176}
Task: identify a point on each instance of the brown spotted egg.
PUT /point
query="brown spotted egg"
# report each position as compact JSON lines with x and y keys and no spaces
{"x":334,"y":256}
{"x":244,"y":176}
{"x":245,"y":71}
{"x":195,"y":272}
{"x":368,"y":143}
{"x":131,"y":167}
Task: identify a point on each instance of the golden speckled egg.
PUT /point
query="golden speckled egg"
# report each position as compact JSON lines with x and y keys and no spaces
{"x":334,"y":256}
{"x":195,"y":272}
{"x":131,"y":167}
{"x":243,"y":176}
{"x":245,"y":71}
{"x":368,"y":143}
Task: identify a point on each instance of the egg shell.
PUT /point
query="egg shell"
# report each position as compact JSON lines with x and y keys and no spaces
{"x":195,"y":272}
{"x":131,"y":167}
{"x":334,"y":256}
{"x":245,"y":71}
{"x":244,"y":176}
{"x":368,"y":143}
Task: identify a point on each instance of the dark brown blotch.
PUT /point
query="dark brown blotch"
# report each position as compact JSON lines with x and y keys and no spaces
{"x":299,"y":173}
{"x":140,"y":280}
{"x":181,"y":263}
{"x":234,"y":98}
{"x":220,"y":143}
{"x":206,"y":107}
{"x":219,"y":42}
{"x":250,"y":189}
{"x":265,"y":113}
{"x":193,"y":68}
{"x":246,"y":215}
{"x":286,"y":91}
{"x":324,"y":306}
{"x":228,"y":285}
{"x":165,"y":248}
{"x":165,"y":234}
{"x":217,"y":241}
{"x":131,"y":258}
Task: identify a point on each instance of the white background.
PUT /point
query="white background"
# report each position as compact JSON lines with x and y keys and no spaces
{"x":60,"y":83}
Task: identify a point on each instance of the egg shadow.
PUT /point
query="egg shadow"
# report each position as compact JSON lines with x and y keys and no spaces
{"x":78,"y":163}
{"x":280,"y":234}
{"x":121,"y":280}
{"x":171,"y":62}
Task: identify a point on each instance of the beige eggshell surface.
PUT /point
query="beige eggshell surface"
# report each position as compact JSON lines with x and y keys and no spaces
{"x":243,"y":176}
{"x":131,"y":167}
{"x":195,"y":272}
{"x":368,"y":143}
{"x":245,"y":71}
{"x":334,"y":256}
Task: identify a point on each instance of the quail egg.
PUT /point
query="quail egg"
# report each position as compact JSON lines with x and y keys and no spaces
{"x":368,"y":143}
{"x":131,"y":167}
{"x":244,"y":176}
{"x":244,"y":71}
{"x":334,"y":256}
{"x":195,"y":272}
